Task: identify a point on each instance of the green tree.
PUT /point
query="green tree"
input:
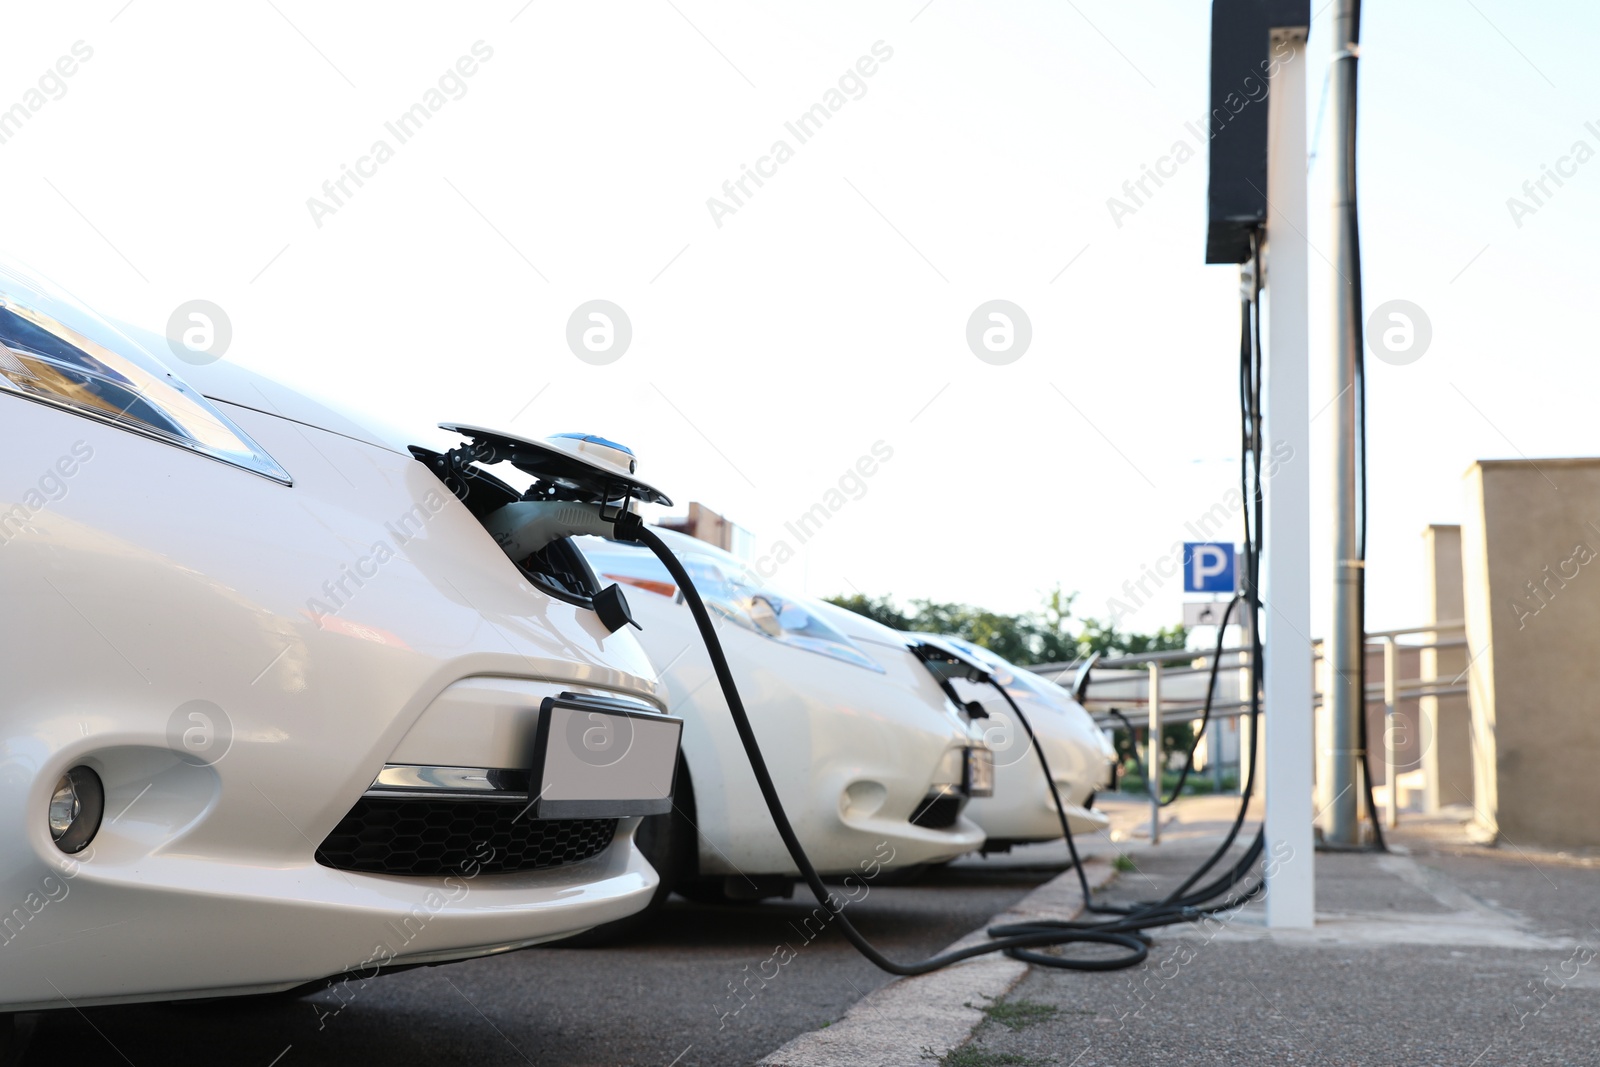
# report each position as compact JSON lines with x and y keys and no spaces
{"x":1043,"y":636}
{"x":1104,"y":638}
{"x":1009,"y":636}
{"x":877,"y":608}
{"x":1056,"y":643}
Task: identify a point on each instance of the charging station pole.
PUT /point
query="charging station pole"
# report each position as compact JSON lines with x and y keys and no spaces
{"x":1258,"y":191}
{"x":1286,"y":563}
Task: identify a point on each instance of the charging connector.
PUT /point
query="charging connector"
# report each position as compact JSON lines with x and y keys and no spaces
{"x":527,"y":526}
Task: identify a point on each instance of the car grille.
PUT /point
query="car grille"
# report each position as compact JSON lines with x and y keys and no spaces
{"x":438,"y":837}
{"x":938,"y":811}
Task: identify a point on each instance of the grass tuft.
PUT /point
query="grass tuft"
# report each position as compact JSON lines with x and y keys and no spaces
{"x":1015,"y":1014}
{"x":973,"y":1056}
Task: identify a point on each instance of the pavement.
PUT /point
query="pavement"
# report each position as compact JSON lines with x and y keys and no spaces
{"x":1442,"y":952}
{"x":912,"y":1021}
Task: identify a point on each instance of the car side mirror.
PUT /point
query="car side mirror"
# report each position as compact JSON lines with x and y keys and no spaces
{"x":1080,"y":682}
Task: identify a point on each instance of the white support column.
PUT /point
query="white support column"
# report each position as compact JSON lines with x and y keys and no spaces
{"x":1152,"y":761}
{"x":1286,"y":565}
{"x":1391,"y":708}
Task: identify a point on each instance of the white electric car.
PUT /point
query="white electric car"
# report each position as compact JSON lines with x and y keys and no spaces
{"x":873,"y":762}
{"x":1080,"y":756}
{"x":277,"y":708}
{"x":1021,"y":809}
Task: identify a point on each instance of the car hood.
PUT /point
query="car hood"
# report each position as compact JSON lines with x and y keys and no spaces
{"x":229,"y":383}
{"x":859,"y":627}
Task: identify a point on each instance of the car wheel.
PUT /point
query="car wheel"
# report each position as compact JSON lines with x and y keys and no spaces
{"x":671,"y":844}
{"x":908,"y":875}
{"x":16,"y":1030}
{"x":706,"y":891}
{"x":738,"y":889}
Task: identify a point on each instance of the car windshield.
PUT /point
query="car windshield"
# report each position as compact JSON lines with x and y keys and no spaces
{"x":731,"y":591}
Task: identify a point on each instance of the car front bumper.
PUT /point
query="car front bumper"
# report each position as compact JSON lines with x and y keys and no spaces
{"x":1022,"y":808}
{"x":169,"y":927}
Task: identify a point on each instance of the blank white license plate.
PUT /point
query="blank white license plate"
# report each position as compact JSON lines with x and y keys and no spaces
{"x":601,"y":758}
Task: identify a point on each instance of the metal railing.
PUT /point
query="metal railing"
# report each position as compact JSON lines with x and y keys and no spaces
{"x":1159,"y":669}
{"x":1157,"y":709}
{"x":1392,"y":690}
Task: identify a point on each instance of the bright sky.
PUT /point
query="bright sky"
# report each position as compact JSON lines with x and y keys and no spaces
{"x":829,"y":312}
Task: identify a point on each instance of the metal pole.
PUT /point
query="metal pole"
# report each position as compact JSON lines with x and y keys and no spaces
{"x":1290,"y":751}
{"x":1346,"y":641}
{"x":1249,"y":736}
{"x":1153,"y":754}
{"x":1390,"y":698}
{"x":1214,"y":753}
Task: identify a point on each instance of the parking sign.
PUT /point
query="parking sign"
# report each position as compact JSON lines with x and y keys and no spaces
{"x":1208,"y":567}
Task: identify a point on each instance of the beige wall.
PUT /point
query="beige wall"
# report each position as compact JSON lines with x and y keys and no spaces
{"x":1446,"y":721}
{"x":1531,"y":567}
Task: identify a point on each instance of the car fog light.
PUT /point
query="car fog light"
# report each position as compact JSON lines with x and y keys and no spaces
{"x":64,"y":807}
{"x":980,"y":772}
{"x":75,"y":809}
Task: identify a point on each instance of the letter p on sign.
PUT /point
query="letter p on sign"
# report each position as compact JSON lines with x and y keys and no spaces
{"x":1208,"y":567}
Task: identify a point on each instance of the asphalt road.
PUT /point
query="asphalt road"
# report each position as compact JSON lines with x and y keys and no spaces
{"x":664,"y":1000}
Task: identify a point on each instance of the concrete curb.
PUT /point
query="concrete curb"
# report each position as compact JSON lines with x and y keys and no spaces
{"x":904,"y":1022}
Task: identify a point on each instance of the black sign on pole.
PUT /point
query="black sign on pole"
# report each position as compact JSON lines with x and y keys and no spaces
{"x":1243,"y":58}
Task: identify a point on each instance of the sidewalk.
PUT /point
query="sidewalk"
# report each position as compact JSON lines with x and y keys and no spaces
{"x":1441,"y":953}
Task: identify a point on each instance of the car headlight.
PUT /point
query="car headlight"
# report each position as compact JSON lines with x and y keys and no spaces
{"x":735,"y":594}
{"x":791,"y":623}
{"x":76,"y":806}
{"x":47,"y":354}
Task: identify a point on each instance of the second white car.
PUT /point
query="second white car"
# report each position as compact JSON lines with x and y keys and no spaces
{"x":1021,"y":809}
{"x":874,"y":764}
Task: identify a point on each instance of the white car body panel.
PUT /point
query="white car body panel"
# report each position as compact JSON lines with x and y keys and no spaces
{"x":152,"y":576}
{"x":1079,"y":755}
{"x":853,"y":752}
{"x":1080,"y":758}
{"x":238,"y":386}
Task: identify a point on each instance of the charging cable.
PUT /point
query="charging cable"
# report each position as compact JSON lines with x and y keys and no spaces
{"x":1019,"y":940}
